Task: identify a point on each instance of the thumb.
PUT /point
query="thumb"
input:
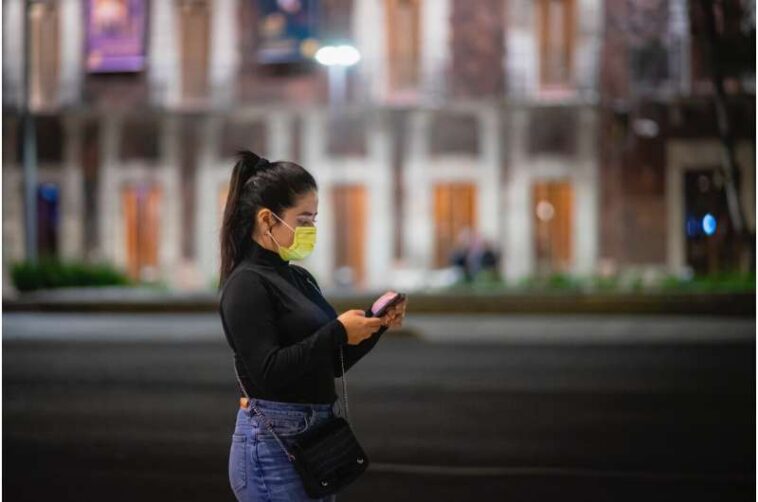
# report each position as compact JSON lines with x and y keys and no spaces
{"x":376,"y":321}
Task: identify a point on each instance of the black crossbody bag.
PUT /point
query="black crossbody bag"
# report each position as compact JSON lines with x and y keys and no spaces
{"x":327,"y":456}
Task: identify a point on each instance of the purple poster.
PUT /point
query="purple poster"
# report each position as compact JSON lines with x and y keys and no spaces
{"x":115,"y":35}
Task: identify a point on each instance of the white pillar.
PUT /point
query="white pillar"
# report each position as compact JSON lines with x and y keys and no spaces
{"x":518,"y":239}
{"x":13,"y":50}
{"x":522,"y":57}
{"x":224,"y":55}
{"x":418,"y":227}
{"x":110,"y":224}
{"x":71,"y":44}
{"x":489,"y":182}
{"x":379,"y":236}
{"x":206,"y":197}
{"x":72,"y":192}
{"x":370,"y":38}
{"x":435,"y":44}
{"x":279,"y":136}
{"x":321,"y":261}
{"x":164,"y":50}
{"x":585,"y":222}
{"x":170,"y":228}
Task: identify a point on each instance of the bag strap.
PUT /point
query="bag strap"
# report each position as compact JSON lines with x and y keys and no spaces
{"x":283,"y":283}
{"x":270,"y":428}
{"x":290,"y":457}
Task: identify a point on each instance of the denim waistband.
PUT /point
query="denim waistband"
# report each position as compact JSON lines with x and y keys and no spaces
{"x":295,"y":408}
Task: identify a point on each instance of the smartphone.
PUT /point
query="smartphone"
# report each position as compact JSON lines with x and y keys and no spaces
{"x":384,"y":302}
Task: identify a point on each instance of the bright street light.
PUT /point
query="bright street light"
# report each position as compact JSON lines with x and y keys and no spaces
{"x":338,"y":55}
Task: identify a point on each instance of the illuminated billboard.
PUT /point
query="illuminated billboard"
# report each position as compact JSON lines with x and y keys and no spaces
{"x":115,"y":35}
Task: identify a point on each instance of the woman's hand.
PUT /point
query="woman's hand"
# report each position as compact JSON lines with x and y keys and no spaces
{"x":395,"y":314}
{"x":358,"y":326}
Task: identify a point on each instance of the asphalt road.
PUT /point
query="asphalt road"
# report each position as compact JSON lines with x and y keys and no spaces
{"x":513,"y":418}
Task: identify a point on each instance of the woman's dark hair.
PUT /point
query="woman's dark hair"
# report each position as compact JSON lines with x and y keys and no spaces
{"x":256,"y":183}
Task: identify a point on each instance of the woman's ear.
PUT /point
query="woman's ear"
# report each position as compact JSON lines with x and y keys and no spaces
{"x":263,"y":219}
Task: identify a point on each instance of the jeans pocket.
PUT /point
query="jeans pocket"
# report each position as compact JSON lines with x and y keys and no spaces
{"x":282,"y":426}
{"x":238,"y":462}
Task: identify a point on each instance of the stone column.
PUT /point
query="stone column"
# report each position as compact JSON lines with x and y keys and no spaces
{"x":379,"y":236}
{"x":108,"y":193}
{"x":170,"y":227}
{"x":418,"y":227}
{"x":224,"y":58}
{"x":586,"y":223}
{"x":71,"y":44}
{"x":164,"y":53}
{"x":321,"y":261}
{"x":72,"y":192}
{"x":519,"y":259}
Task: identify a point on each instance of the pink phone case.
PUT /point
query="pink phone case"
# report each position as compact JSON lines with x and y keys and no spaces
{"x":384,"y":302}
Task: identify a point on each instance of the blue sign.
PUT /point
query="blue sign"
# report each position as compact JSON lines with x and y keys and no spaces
{"x":287,"y":30}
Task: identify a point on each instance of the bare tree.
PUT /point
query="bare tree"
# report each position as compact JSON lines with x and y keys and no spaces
{"x":715,"y":45}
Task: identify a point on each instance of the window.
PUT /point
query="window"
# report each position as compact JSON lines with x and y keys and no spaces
{"x":243,"y":135}
{"x":347,"y":135}
{"x":194,"y":18}
{"x":44,"y":58}
{"x":454,"y":133}
{"x":403,"y":35}
{"x":552,"y":130}
{"x":555,"y":20}
{"x":140,"y":138}
{"x":50,"y":137}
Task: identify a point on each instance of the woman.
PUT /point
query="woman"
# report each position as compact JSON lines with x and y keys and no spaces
{"x":284,"y":335}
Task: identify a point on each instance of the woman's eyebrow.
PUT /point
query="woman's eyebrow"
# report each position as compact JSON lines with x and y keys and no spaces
{"x":308,"y":213}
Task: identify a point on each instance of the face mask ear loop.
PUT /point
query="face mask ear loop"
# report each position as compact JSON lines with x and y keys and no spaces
{"x":285,"y":223}
{"x":272,"y":235}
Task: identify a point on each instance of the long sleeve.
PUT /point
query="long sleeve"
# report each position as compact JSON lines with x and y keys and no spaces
{"x":353,"y":353}
{"x":248,"y":313}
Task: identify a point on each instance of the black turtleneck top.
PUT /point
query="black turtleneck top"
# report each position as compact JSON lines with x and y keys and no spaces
{"x":284,"y":334}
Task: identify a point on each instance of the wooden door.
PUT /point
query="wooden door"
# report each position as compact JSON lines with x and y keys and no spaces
{"x":552,"y":208}
{"x":403,"y":43}
{"x":195,"y":21}
{"x":454,"y":211}
{"x":350,"y":222}
{"x":141,"y":203}
{"x":555,"y":26}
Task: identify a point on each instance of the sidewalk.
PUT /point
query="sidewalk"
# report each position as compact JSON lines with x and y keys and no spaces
{"x":146,"y":300}
{"x":435,"y":328}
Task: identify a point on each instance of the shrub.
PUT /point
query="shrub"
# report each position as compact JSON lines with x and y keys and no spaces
{"x":51,"y":273}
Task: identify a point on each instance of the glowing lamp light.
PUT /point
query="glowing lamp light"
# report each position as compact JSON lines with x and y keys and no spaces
{"x":339,"y":55}
{"x":709,"y":224}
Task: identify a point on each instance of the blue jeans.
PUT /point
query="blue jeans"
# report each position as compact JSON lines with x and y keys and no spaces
{"x":259,"y":470}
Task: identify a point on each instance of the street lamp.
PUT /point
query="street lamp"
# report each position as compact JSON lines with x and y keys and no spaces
{"x":337,"y":58}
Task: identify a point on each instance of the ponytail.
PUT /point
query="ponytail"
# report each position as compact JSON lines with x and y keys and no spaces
{"x":255,"y":183}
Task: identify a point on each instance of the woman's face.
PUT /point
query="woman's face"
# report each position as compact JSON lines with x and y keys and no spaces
{"x":303,"y":213}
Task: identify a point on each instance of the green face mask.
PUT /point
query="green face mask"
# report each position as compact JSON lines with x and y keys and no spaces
{"x":302,"y":245}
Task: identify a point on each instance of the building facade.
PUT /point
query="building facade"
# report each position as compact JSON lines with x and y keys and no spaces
{"x":488,"y":116}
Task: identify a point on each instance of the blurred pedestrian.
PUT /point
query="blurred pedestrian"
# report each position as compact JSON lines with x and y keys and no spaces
{"x":284,"y":335}
{"x":473,"y":255}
